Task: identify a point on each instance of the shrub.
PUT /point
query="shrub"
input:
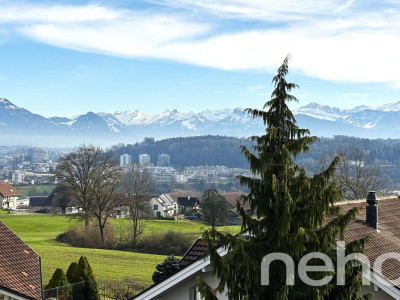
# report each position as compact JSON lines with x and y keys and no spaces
{"x":172,"y":242}
{"x":77,"y":236}
{"x":84,"y":273}
{"x":166,"y":269}
{"x":60,"y":281}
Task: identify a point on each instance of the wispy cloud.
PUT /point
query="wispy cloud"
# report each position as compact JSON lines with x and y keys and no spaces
{"x":341,"y":40}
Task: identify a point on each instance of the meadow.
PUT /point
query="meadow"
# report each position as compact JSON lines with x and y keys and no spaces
{"x":36,"y":190}
{"x":39,"y":232}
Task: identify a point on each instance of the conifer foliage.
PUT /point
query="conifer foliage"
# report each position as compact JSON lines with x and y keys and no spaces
{"x":83,"y":273}
{"x":166,"y":269}
{"x":287,"y":213}
{"x":60,"y":282}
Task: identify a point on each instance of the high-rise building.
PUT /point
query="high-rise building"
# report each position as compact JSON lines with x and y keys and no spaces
{"x":144,"y":159}
{"x":163,"y":160}
{"x":124,"y":160}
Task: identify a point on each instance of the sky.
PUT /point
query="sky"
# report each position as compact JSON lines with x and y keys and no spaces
{"x":65,"y":58}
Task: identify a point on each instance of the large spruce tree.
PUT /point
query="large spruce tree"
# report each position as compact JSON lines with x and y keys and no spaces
{"x":288,"y":213}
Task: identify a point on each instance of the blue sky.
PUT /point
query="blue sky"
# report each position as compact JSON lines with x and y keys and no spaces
{"x":64,"y":58}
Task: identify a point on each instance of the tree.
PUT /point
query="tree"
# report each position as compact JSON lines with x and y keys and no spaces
{"x":166,"y":269}
{"x":71,"y":271}
{"x":59,"y":281}
{"x":287,"y":213}
{"x":357,"y":174}
{"x":76,"y":170}
{"x":103,"y":190}
{"x":84,"y":274}
{"x":214,"y":207}
{"x":137,"y":184}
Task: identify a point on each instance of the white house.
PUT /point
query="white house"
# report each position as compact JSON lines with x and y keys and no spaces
{"x":8,"y":196}
{"x":164,"y":205}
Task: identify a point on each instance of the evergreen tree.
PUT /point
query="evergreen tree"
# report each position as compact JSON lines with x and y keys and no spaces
{"x":71,"y":271}
{"x":166,"y":269}
{"x":60,"y":281}
{"x":287,"y":213}
{"x":84,"y":273}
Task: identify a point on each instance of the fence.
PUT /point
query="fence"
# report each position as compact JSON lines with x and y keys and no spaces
{"x":107,"y":291}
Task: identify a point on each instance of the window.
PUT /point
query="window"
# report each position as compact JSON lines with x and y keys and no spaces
{"x":155,"y":207}
{"x":194,"y":294}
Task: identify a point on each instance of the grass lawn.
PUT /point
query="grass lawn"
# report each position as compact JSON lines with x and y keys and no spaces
{"x":36,"y":190}
{"x":40,"y":230}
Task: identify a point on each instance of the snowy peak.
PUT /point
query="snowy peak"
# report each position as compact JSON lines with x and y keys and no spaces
{"x":390,"y":107}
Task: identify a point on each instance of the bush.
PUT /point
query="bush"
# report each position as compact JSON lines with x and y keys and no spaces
{"x":166,"y":269}
{"x":172,"y":242}
{"x":84,"y":273}
{"x":60,"y":281}
{"x":77,"y":236}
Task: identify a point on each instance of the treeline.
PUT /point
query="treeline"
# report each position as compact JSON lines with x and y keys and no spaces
{"x":190,"y":151}
{"x":222,"y":150}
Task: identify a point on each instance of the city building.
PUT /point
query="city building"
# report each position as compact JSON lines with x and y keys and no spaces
{"x":163,"y":160}
{"x":37,"y":155}
{"x":144,"y":159}
{"x":124,"y":160}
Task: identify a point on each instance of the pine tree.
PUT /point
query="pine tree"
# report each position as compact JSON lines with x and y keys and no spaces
{"x":166,"y":269}
{"x":59,"y":280}
{"x":287,"y":212}
{"x":84,"y":273}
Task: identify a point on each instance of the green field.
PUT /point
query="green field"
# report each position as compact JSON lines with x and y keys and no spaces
{"x":36,"y":190}
{"x":39,"y":232}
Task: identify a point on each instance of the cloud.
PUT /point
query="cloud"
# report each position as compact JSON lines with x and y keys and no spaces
{"x":332,"y":40}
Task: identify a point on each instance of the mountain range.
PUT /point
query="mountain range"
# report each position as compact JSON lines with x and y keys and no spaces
{"x":19,"y":125}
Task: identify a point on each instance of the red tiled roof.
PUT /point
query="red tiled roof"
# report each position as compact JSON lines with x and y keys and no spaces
{"x":386,"y":239}
{"x":20,"y":270}
{"x":195,"y":252}
{"x":7,"y":189}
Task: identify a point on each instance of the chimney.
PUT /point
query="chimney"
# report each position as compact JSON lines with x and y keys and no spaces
{"x":372,"y":210}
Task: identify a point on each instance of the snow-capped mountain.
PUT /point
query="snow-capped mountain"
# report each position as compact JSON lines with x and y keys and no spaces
{"x":125,"y":126}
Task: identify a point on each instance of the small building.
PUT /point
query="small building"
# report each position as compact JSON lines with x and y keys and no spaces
{"x":187,"y":204}
{"x":20,"y":268}
{"x":8,"y":196}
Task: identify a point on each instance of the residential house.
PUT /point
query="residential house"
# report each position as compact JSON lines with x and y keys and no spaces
{"x":60,"y":201}
{"x":380,"y":220}
{"x":232,"y":199}
{"x":8,"y":196}
{"x":165,"y":205}
{"x":187,"y":204}
{"x":20,"y":268}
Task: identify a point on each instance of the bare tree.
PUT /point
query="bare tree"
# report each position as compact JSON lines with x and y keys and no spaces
{"x":103,"y":188}
{"x":357,"y":175}
{"x":214,"y":207}
{"x":137,"y":185}
{"x":76,"y":170}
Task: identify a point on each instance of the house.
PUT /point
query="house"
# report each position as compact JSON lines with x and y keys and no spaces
{"x":164,"y":205}
{"x":187,"y":204}
{"x":379,"y":219}
{"x":60,"y":202}
{"x":20,"y":268}
{"x":231,"y":199}
{"x":8,"y":196}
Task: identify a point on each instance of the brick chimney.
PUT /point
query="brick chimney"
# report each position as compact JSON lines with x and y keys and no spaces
{"x":372,"y":210}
